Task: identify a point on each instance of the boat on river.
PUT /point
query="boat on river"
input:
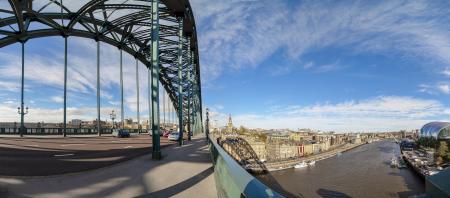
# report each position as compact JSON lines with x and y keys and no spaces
{"x":301,"y":165}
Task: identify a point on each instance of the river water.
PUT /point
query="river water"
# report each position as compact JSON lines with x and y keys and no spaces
{"x":361,"y":172}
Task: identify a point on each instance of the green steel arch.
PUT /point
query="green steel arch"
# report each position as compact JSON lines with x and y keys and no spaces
{"x":159,"y":33}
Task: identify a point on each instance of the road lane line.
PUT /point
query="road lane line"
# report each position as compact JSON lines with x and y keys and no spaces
{"x":63,"y":155}
{"x":128,"y":147}
{"x":33,"y":145}
{"x":72,"y":144}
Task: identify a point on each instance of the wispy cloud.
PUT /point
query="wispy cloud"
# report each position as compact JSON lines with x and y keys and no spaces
{"x":434,"y":89}
{"x":237,"y":35}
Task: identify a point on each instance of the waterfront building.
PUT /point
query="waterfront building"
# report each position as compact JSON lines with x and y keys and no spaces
{"x":437,"y":130}
{"x":259,"y":148}
{"x":307,"y":148}
{"x":278,"y":150}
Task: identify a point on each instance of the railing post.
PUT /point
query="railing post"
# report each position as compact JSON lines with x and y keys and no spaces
{"x":156,"y":153}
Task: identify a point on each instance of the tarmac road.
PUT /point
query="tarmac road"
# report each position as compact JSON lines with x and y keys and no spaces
{"x":56,"y":155}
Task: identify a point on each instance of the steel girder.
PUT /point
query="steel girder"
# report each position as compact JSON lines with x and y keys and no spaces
{"x":123,"y":24}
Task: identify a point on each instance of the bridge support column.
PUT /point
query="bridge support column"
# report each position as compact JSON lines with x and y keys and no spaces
{"x":180,"y":78}
{"x":156,"y":153}
{"x":22,"y":113}
{"x":122,"y":112}
{"x":137,"y":92}
{"x":149,"y":87}
{"x":189,"y":91}
{"x":65,"y":87}
{"x":163,"y":97}
{"x":98,"y":89}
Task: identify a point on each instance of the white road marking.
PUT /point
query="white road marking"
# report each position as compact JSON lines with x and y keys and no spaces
{"x":128,"y":147}
{"x":34,"y":145}
{"x":114,"y":141}
{"x":62,"y":155}
{"x":72,"y":144}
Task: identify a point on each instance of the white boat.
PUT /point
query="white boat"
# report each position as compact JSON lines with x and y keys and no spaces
{"x":311,"y":163}
{"x":394,"y":162}
{"x":301,"y":165}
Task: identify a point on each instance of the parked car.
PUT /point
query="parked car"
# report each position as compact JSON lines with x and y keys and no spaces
{"x":174,"y":136}
{"x":121,"y":133}
{"x":166,"y":133}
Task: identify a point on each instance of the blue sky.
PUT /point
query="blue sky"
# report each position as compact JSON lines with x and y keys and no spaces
{"x":327,"y":65}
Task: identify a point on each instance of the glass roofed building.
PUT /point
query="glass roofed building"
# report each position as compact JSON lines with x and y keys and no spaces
{"x":438,"y":130}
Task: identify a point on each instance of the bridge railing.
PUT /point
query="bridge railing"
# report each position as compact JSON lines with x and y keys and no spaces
{"x":59,"y":131}
{"x":232,"y":180}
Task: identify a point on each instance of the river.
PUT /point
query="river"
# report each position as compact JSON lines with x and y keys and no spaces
{"x":361,"y":172}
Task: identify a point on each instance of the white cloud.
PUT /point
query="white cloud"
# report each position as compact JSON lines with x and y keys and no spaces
{"x":446,"y":72}
{"x":374,"y":114}
{"x":444,"y":88}
{"x":433,"y":89}
{"x":235,"y":35}
{"x":57,"y":99}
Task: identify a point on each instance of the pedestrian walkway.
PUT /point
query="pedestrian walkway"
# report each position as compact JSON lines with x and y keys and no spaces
{"x":183,"y":172}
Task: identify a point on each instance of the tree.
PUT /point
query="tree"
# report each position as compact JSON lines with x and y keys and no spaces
{"x":443,"y":149}
{"x":242,"y":130}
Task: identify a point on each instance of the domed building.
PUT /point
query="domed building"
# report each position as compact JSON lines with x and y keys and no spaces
{"x":436,"y":130}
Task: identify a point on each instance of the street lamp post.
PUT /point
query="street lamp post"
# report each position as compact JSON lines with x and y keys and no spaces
{"x":113,"y":117}
{"x":21,"y":112}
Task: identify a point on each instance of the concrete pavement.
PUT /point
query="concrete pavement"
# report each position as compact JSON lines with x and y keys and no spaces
{"x":183,"y":172}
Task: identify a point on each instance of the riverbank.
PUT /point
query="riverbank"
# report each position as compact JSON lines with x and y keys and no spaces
{"x":422,"y":163}
{"x":276,"y":166}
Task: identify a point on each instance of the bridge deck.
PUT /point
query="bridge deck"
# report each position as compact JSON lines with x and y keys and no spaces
{"x":184,"y":172}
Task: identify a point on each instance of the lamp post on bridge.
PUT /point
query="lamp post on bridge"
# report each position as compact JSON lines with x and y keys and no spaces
{"x":22,"y":113}
{"x":112,"y":115}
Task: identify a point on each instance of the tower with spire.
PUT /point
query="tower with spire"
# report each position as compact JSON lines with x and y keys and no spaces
{"x":230,"y":125}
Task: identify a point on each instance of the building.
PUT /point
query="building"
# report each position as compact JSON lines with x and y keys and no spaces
{"x":259,"y":148}
{"x":277,"y":137}
{"x":299,"y":136}
{"x":279,"y":150}
{"x":76,"y":122}
{"x":307,"y":148}
{"x":230,"y":125}
{"x":436,"y":130}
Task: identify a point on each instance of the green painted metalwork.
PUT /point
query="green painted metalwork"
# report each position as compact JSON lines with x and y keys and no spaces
{"x":98,"y":89}
{"x":22,"y":113}
{"x":65,"y":86}
{"x":137,"y":92}
{"x":136,"y":31}
{"x":180,"y":79}
{"x":122,"y":112}
{"x":234,"y":181}
{"x":156,"y":154}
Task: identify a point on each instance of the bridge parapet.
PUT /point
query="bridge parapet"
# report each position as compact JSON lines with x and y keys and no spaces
{"x":232,"y":180}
